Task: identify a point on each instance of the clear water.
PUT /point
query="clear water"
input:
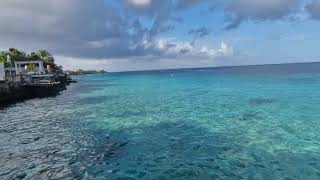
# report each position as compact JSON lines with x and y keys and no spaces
{"x":259,"y":122}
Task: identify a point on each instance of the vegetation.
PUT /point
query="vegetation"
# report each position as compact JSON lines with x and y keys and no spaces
{"x":18,"y":55}
{"x":84,"y":72}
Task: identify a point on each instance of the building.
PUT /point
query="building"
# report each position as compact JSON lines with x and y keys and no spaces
{"x":30,"y":73}
{"x":33,"y":73}
{"x":29,"y":68}
{"x":2,"y":73}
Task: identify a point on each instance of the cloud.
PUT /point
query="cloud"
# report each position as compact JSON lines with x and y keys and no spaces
{"x":61,"y":19}
{"x":199,"y":33}
{"x":127,"y":29}
{"x":224,"y":51}
{"x":162,"y":13}
{"x":172,"y":53}
{"x":314,"y":9}
{"x":159,"y":11}
{"x":80,"y":28}
{"x":87,"y":29}
{"x":65,"y":27}
{"x":141,"y":3}
{"x":171,"y":48}
{"x":239,"y":11}
{"x":183,"y":4}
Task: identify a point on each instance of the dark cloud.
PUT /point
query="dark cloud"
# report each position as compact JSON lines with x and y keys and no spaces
{"x":114,"y":29}
{"x":65,"y":27}
{"x":161,"y":12}
{"x":88,"y":29}
{"x":314,"y":9}
{"x":183,"y":4}
{"x":239,"y":11}
{"x":86,"y":20}
{"x":200,"y":32}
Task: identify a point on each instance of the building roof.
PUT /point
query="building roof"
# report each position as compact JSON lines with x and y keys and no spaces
{"x":28,"y":62}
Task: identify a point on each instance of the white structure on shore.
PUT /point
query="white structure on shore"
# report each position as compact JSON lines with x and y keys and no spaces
{"x":21,"y":67}
{"x":30,"y":73}
{"x":2,"y":73}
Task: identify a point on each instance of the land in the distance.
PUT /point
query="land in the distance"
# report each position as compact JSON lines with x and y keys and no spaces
{"x":84,"y":72}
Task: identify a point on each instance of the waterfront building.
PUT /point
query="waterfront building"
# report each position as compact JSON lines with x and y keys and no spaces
{"x":29,"y":67}
{"x":2,"y":73}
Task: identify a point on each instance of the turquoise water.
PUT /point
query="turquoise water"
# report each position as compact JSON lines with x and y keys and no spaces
{"x":258,"y":122}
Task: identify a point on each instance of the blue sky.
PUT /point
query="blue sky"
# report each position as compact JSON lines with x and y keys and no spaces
{"x":121,"y":35}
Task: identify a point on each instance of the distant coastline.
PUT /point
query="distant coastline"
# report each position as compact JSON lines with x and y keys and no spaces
{"x":84,"y":72}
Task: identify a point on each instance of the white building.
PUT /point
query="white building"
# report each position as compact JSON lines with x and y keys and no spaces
{"x":2,"y":73}
{"x":21,"y":68}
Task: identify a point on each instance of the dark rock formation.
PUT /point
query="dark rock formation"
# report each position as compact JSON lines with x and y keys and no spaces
{"x":15,"y":92}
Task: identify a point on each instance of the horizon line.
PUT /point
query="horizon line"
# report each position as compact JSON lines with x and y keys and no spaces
{"x":213,"y":67}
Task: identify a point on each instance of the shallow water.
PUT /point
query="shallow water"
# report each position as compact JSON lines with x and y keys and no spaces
{"x":259,"y":122}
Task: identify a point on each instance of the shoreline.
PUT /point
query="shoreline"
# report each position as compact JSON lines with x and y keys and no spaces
{"x":11,"y":93}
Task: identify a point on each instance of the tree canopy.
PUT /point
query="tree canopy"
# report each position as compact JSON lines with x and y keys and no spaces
{"x":18,"y":55}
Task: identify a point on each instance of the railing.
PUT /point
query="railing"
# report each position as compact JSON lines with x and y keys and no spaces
{"x":31,"y":80}
{"x":18,"y":79}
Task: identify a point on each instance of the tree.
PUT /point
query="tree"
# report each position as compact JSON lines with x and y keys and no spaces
{"x":33,"y":56}
{"x":3,"y":58}
{"x":17,"y":55}
{"x":46,"y":56}
{"x":48,"y":59}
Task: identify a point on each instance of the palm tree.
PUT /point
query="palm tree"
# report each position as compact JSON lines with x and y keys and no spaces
{"x":46,"y":56}
{"x":48,"y":59}
{"x":33,"y":56}
{"x":17,"y":55}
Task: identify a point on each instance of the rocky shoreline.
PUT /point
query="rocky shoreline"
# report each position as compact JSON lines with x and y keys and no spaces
{"x":11,"y":93}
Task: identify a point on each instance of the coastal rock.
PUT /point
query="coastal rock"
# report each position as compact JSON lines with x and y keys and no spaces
{"x":21,"y":176}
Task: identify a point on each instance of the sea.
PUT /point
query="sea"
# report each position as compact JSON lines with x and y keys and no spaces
{"x":250,"y":122}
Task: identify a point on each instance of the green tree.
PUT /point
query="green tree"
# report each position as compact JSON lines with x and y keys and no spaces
{"x":46,"y":56}
{"x":33,"y":56}
{"x":48,"y":59}
{"x":17,"y":55}
{"x":31,"y":67}
{"x":3,"y":58}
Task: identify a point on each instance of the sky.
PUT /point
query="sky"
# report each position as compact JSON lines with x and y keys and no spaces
{"x":129,"y":35}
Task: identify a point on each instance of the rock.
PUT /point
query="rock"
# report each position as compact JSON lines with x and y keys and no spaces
{"x":32,"y":166}
{"x":37,"y":139}
{"x":21,"y":175}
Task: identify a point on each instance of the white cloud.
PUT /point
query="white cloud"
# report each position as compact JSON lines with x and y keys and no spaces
{"x":140,"y":2}
{"x":165,"y":53}
{"x":223,"y":51}
{"x":185,"y":49}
